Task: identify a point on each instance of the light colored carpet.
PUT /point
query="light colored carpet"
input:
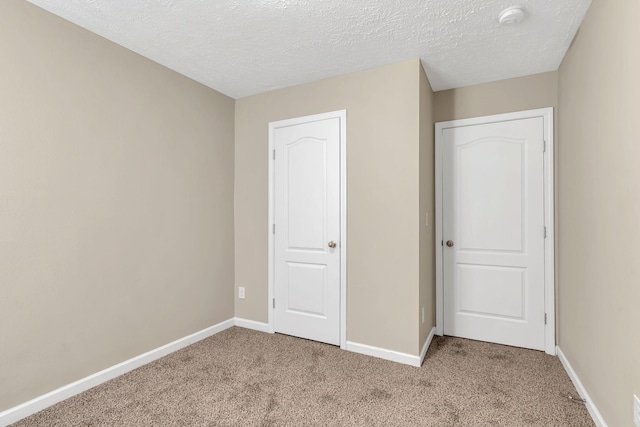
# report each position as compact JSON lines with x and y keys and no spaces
{"x":245,"y":378}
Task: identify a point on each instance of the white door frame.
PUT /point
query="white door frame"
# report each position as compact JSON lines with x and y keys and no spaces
{"x":342,"y":115}
{"x":549,"y":267}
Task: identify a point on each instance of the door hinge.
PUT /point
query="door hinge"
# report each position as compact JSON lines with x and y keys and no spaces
{"x":544,"y":146}
{"x":545,"y":231}
{"x":274,"y":303}
{"x":274,"y":154}
{"x":545,"y":318}
{"x":274,"y":229}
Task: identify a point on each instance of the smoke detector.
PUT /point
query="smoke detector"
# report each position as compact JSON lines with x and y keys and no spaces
{"x":511,"y":15}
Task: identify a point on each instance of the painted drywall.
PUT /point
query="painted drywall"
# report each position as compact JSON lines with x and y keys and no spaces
{"x":382,"y":190}
{"x":427,"y":210}
{"x":505,"y":96}
{"x":599,"y":207}
{"x":116,"y":204}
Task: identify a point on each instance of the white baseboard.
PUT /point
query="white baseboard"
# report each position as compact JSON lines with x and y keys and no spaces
{"x":368,"y":350}
{"x":23,"y":410}
{"x":426,"y":345}
{"x":252,"y":324}
{"x":394,"y":356}
{"x":591,"y":407}
{"x":383,"y":353}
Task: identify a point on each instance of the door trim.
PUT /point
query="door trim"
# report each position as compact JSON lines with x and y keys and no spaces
{"x":342,"y":115}
{"x":549,"y":261}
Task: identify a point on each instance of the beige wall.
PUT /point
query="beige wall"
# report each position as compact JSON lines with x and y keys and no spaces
{"x":599,"y":207}
{"x":382,"y":190}
{"x":504,"y":96}
{"x":427,"y":205}
{"x":116,"y":204}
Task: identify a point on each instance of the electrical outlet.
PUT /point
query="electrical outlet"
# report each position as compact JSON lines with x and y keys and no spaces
{"x":241,"y":292}
{"x":422,"y":314}
{"x":636,"y":410}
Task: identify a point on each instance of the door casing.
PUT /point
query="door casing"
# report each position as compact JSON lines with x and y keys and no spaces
{"x":342,"y":115}
{"x":549,"y":266}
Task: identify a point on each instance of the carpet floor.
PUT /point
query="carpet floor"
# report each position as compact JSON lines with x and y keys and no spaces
{"x":241,"y":377}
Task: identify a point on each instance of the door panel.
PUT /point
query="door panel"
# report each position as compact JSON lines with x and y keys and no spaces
{"x":306,"y":194}
{"x":491,"y":220}
{"x":306,"y":286}
{"x":307,"y":218}
{"x":493,"y":212}
{"x":504,"y":284}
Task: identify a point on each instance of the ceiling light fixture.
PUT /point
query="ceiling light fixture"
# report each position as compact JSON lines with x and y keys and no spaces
{"x":511,"y":15}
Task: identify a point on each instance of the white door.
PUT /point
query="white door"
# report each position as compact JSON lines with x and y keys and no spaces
{"x":493,"y":232}
{"x":307,"y":229}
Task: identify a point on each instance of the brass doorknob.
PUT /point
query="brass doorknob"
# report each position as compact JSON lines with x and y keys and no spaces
{"x":450,"y":243}
{"x":332,"y":244}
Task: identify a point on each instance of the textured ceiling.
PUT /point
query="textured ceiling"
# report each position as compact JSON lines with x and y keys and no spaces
{"x":245,"y":47}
